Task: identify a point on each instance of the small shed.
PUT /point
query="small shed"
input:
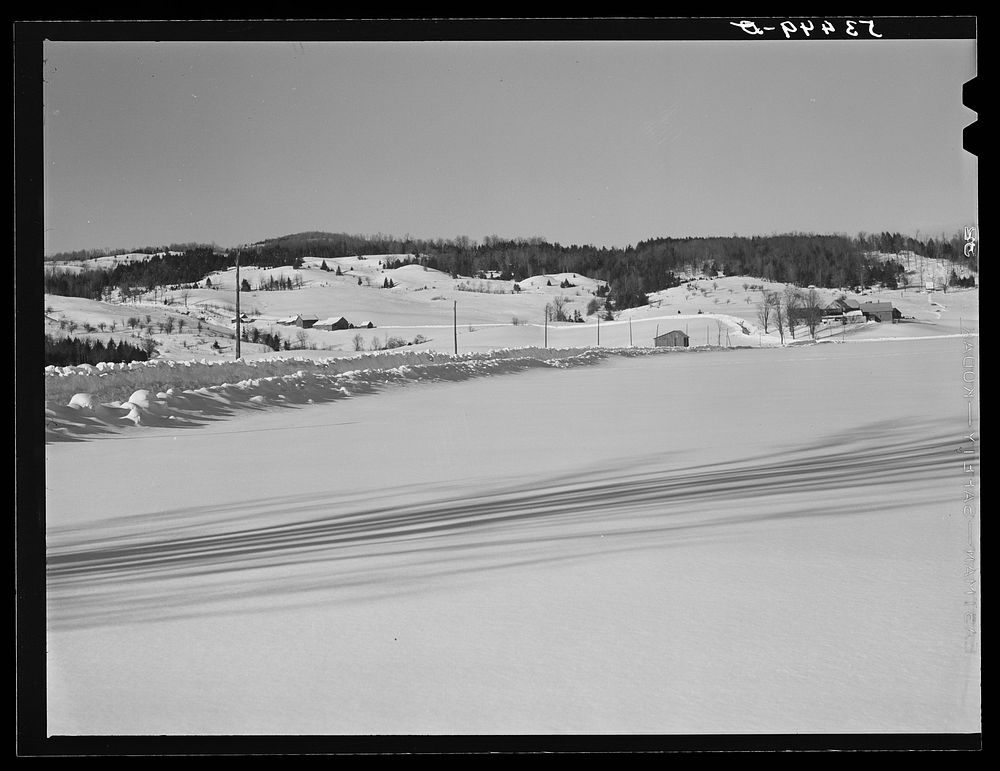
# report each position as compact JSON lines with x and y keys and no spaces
{"x":306,"y":321}
{"x":673,"y":339}
{"x":332,"y":324}
{"x":881,"y":311}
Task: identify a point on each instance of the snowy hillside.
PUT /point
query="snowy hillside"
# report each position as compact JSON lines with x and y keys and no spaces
{"x":422,"y":306}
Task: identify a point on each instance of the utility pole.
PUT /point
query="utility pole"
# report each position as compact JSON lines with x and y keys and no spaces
{"x":237,"y":304}
{"x":629,"y":331}
{"x":546,"y":328}
{"x":598,"y":330}
{"x":455,"y":325}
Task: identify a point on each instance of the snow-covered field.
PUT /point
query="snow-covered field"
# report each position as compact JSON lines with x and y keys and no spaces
{"x":741,"y":541}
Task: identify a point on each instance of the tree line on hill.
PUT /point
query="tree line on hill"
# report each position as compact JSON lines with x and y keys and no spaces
{"x":81,"y":255}
{"x":796,"y":258}
{"x":159,"y":270}
{"x":630,"y":273}
{"x":71,"y":351}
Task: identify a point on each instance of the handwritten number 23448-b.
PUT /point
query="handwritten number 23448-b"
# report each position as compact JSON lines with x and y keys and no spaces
{"x":851,"y":27}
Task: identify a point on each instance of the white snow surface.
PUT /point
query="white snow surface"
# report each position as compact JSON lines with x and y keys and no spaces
{"x":741,"y":541}
{"x":165,"y":401}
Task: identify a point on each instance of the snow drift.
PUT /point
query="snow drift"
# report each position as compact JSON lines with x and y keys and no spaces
{"x":90,"y":400}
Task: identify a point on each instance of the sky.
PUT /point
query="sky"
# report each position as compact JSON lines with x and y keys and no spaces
{"x":601,"y":142}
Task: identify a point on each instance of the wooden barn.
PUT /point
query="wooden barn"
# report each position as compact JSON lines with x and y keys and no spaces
{"x":673,"y":339}
{"x":306,"y":321}
{"x":332,"y":324}
{"x":881,"y":311}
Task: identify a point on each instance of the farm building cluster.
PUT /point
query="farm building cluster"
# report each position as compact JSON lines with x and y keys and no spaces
{"x":311,"y":321}
{"x":844,"y":310}
{"x":849,"y":311}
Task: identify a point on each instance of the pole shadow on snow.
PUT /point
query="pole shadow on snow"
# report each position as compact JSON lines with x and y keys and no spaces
{"x":330,"y":548}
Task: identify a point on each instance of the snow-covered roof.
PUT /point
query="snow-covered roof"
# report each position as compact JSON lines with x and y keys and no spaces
{"x":876,"y":307}
{"x":331,"y":322}
{"x":672,"y":332}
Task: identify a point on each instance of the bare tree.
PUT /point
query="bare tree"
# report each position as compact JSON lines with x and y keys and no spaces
{"x":559,"y":308}
{"x":793,"y":309}
{"x":778,"y":307}
{"x":765,"y":309}
{"x":302,"y":336}
{"x":811,"y":311}
{"x":359,"y":342}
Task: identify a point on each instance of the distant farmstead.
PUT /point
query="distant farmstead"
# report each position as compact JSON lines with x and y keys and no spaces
{"x":841,"y":306}
{"x":851,"y":311}
{"x":307,"y":321}
{"x":332,"y":324}
{"x":881,"y":311}
{"x":673,"y":339}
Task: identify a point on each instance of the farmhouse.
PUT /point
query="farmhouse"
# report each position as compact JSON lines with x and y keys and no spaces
{"x":880,"y":311}
{"x":674,"y":338}
{"x":841,"y":306}
{"x":332,"y":323}
{"x":307,"y":321}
